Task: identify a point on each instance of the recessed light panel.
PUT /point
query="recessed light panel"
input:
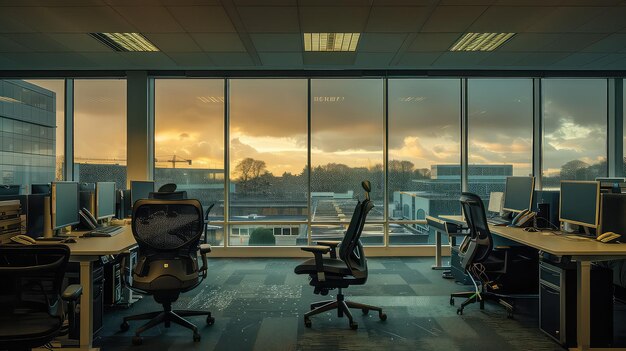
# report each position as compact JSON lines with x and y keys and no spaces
{"x":481,"y":41}
{"x":125,"y":41}
{"x":328,"y":42}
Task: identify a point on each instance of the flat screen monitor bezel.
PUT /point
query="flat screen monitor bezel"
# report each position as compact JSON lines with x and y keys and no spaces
{"x":53,"y":206}
{"x":132,"y":199}
{"x":32,"y":188}
{"x":532,"y":193}
{"x":583,"y":224}
{"x":97,"y":207}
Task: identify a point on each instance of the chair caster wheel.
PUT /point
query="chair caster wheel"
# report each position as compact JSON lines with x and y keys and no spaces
{"x":459,"y":311}
{"x":365,"y":311}
{"x":509,"y":314}
{"x":354,"y":326}
{"x":382,"y":316}
{"x":452,"y":301}
{"x":124,"y":326}
{"x":196,"y":337}
{"x":307,"y":323}
{"x":137,"y":340}
{"x":210,"y":320}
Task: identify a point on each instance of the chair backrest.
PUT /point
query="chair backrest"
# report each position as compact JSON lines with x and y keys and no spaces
{"x":167,"y":227}
{"x":351,"y":249}
{"x":31,"y":278}
{"x":168,"y":195}
{"x":474,"y":212}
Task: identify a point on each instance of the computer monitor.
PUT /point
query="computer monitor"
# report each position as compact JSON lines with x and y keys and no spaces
{"x":64,"y":204}
{"x":612,"y":184}
{"x":495,"y":202}
{"x":105,"y":200}
{"x":612,"y":210}
{"x":518,"y":193}
{"x":9,"y":190}
{"x":40,"y":188}
{"x":579,"y":203}
{"x":140,"y":189}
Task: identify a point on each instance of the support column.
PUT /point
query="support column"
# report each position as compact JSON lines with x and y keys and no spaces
{"x":615,"y":144}
{"x":68,"y":149}
{"x":537,"y":134}
{"x":464,"y":136}
{"x":140,"y":157}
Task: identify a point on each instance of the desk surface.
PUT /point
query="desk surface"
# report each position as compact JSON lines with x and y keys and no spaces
{"x":560,"y":245}
{"x":101,"y":245}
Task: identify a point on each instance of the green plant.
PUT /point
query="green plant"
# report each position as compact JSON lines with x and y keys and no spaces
{"x":262,"y":236}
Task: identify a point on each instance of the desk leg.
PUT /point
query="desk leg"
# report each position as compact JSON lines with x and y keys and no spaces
{"x":86,"y":306}
{"x":438,"y":265}
{"x":583,"y":317}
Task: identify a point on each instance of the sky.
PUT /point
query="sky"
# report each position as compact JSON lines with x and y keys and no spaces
{"x":268,"y":121}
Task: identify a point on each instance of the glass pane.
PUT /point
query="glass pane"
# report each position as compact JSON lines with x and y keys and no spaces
{"x":346,"y":147}
{"x":189,"y":139}
{"x":268,"y":150}
{"x":372,"y":234}
{"x":100,"y":131}
{"x":424,"y":154}
{"x":575,"y":130}
{"x":29,"y":115}
{"x":500,"y":119}
{"x":258,"y":234}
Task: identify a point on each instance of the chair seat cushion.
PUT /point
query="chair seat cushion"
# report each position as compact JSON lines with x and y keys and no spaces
{"x":331,"y":266}
{"x":30,"y":329}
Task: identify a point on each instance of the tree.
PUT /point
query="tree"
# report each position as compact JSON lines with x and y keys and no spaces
{"x":575,"y":169}
{"x":250,"y":168}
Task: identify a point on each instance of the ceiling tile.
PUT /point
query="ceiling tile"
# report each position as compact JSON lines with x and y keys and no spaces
{"x":429,"y":42}
{"x":49,"y":60}
{"x":404,"y":2}
{"x":577,"y":60}
{"x":173,"y":42}
{"x":335,"y":2}
{"x":374,"y":59}
{"x":565,"y":19}
{"x":333,"y":19}
{"x":281,"y":59}
{"x":528,"y":42}
{"x":610,"y":61}
{"x":85,"y":20}
{"x":466,"y":2}
{"x":277,"y":42}
{"x":190,"y":59}
{"x":219,"y":42}
{"x":502,"y":59}
{"x":269,"y":19}
{"x":609,"y":21}
{"x":328,"y":58}
{"x":541,"y":59}
{"x":30,"y":3}
{"x":231,"y":59}
{"x":18,"y":19}
{"x":36,"y":42}
{"x":79,"y":42}
{"x":148,"y":60}
{"x":509,"y":18}
{"x":381,"y":42}
{"x":150,"y":19}
{"x":266,"y":3}
{"x":190,"y":2}
{"x":8,"y":45}
{"x":460,"y":59}
{"x":109,"y":60}
{"x":396,"y":19}
{"x":572,"y":42}
{"x":452,"y":18}
{"x":202,"y":18}
{"x":422,"y":59}
{"x":612,"y":43}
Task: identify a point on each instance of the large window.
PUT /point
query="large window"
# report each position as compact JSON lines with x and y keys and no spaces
{"x":100,"y":131}
{"x":424,"y":155}
{"x":575,"y":130}
{"x":500,"y":133}
{"x":189,"y":142}
{"x":268,"y":160}
{"x":347,"y":131}
{"x":30,"y":113}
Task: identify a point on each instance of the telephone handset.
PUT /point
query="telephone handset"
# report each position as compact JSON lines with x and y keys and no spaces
{"x":87,"y":219}
{"x":523,"y":219}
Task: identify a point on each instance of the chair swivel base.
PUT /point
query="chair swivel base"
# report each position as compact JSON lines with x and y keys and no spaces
{"x":343,"y":307}
{"x":473,"y":297}
{"x":166,"y":317}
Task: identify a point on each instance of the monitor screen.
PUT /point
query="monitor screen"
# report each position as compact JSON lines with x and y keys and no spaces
{"x":64,"y":204}
{"x":9,"y":190}
{"x":612,"y":210}
{"x":105,"y":200}
{"x":40,"y":188}
{"x":140,"y":189}
{"x":495,"y":201}
{"x":518,"y":193}
{"x":579,"y":203}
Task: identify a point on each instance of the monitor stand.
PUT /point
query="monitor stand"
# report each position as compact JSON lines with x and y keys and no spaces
{"x":47,"y":218}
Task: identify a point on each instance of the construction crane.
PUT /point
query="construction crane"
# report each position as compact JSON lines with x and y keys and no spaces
{"x":174,"y":160}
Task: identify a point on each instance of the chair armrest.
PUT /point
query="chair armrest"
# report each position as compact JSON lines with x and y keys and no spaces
{"x":502,"y":248}
{"x":318,"y":251}
{"x":72,"y":292}
{"x":205,"y":249}
{"x":332,"y":244}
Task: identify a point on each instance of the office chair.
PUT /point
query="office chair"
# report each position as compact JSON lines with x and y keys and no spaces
{"x":167,"y":188}
{"x":168,"y":234}
{"x":482,"y":261}
{"x":205,"y":235}
{"x":31,"y":303}
{"x":329,"y":273}
{"x":168,"y":195}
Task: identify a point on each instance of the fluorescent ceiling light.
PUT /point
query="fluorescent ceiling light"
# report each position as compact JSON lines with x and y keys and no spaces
{"x":481,"y":41}
{"x":8,"y":99}
{"x":210,"y":99}
{"x":125,"y":41}
{"x":331,"y":41}
{"x":328,"y":98}
{"x":412,"y":98}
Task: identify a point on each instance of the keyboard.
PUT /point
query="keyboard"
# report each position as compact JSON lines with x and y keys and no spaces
{"x":105,"y":231}
{"x":498,"y":221}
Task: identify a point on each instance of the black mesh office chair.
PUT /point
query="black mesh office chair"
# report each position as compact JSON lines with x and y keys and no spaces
{"x":328,"y":273}
{"x":31,"y":308}
{"x":168,"y":234}
{"x":484,"y":263}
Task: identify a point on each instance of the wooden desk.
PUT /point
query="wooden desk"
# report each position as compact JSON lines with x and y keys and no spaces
{"x":86,"y":251}
{"x":582,"y":250}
